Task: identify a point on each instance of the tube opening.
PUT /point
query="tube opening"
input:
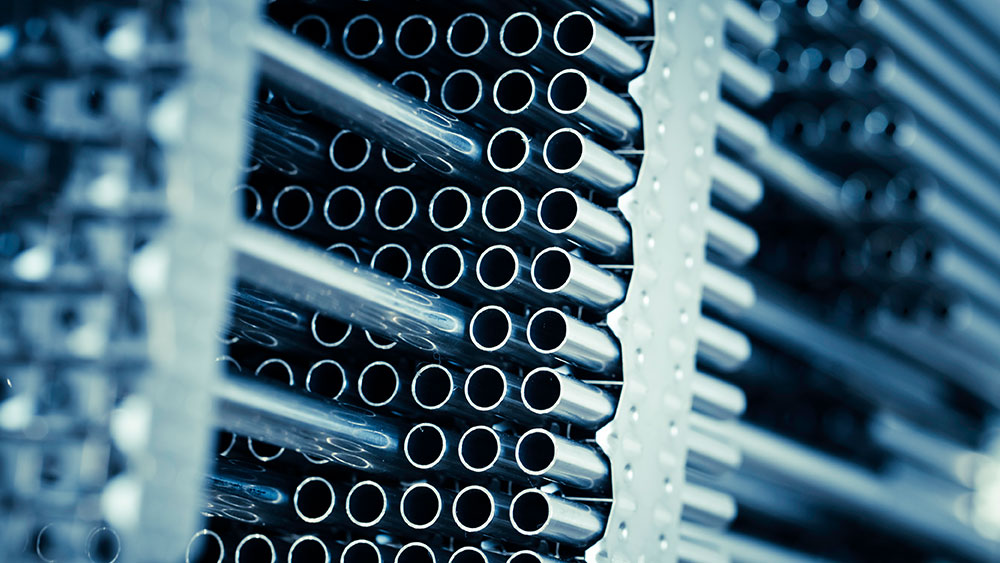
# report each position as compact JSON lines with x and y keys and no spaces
{"x":558,"y":210}
{"x":362,"y":37}
{"x":395,"y":208}
{"x":361,"y":551}
{"x":378,"y":384}
{"x":327,"y":379}
{"x":547,"y":330}
{"x":379,"y":341}
{"x":503,"y":209}
{"x":255,"y":548}
{"x":529,"y":512}
{"x":414,"y":84}
{"x":395,"y":162}
{"x":103,"y":545}
{"x":224,"y":442}
{"x":424,"y":445}
{"x":420,"y":506}
{"x":461,"y":91}
{"x":415,"y":36}
{"x":568,"y":91}
{"x":468,"y":554}
{"x":541,"y":390}
{"x":415,"y":553}
{"x":366,"y":503}
{"x":450,"y":208}
{"x":490,"y":328}
{"x":392,"y":259}
{"x":349,"y":151}
{"x":205,"y":547}
{"x":249,"y":201}
{"x":536,"y":451}
{"x":314,"y":499}
{"x":551,"y":269}
{"x":479,"y":448}
{"x":486,"y":388}
{"x":293,"y":207}
{"x":468,"y":35}
{"x":345,"y":250}
{"x":514,"y":91}
{"x":329,"y":332}
{"x":563,"y":151}
{"x":520,"y":34}
{"x":276,"y":369}
{"x":574,"y":33}
{"x":263,"y":451}
{"x":497,"y":267}
{"x":443,"y":266}
{"x":432,"y":387}
{"x":525,"y":557}
{"x":308,"y":549}
{"x":344,"y":208}
{"x":473,"y":509}
{"x":508,"y":149}
{"x":313,"y":29}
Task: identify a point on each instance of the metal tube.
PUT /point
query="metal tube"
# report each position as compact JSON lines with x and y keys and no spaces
{"x":450,"y":210}
{"x":734,"y":184}
{"x":205,"y":545}
{"x":468,"y":34}
{"x":581,"y":161}
{"x":462,"y":93}
{"x":483,"y":450}
{"x":578,"y":36}
{"x":362,"y":37}
{"x":550,"y":331}
{"x":562,"y":212}
{"x":721,"y":347}
{"x":415,"y":552}
{"x":255,"y":547}
{"x":535,"y":513}
{"x":509,"y":151}
{"x":290,"y":145}
{"x":508,"y":275}
{"x":249,"y":201}
{"x":732,"y":240}
{"x":448,"y":269}
{"x":327,"y":379}
{"x":314,"y":499}
{"x":558,"y":273}
{"x":415,"y":36}
{"x":706,"y":506}
{"x":277,"y":370}
{"x":710,"y":454}
{"x":528,"y":556}
{"x":522,"y":36}
{"x":378,"y":384}
{"x":308,"y":549}
{"x":293,"y":209}
{"x":469,"y":554}
{"x":717,"y":398}
{"x":349,"y":152}
{"x":494,"y":329}
{"x":367,"y":504}
{"x":344,"y":208}
{"x":747,"y":27}
{"x":392,"y":259}
{"x":421,"y":506}
{"x":477,"y":510}
{"x":746,"y":81}
{"x":517,"y":93}
{"x":593,"y":105}
{"x":725,"y":290}
{"x":549,"y":393}
{"x":413,"y":83}
{"x":540,"y":453}
{"x":328,"y":332}
{"x":433,"y":387}
{"x":395,"y":208}
{"x":364,"y":551}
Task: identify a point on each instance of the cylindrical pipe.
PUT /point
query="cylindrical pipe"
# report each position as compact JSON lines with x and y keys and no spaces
{"x":349,"y":152}
{"x":308,"y":549}
{"x":378,"y":384}
{"x":578,"y":35}
{"x":293,"y":208}
{"x":747,"y":27}
{"x":314,"y":500}
{"x":205,"y":546}
{"x":421,"y":506}
{"x":540,"y":453}
{"x":573,"y":93}
{"x":362,"y":37}
{"x":344,"y":208}
{"x":507,"y":274}
{"x":734,"y":184}
{"x":392,"y":259}
{"x":255,"y":547}
{"x":707,"y":507}
{"x":493,"y":329}
{"x":483,"y":450}
{"x":415,"y":36}
{"x":517,"y":93}
{"x":327,"y":379}
{"x":557,"y":272}
{"x":550,"y":331}
{"x":746,"y":81}
{"x":426,"y":446}
{"x":395,"y":208}
{"x":433,"y":387}
{"x":732,"y":240}
{"x":535,"y":513}
{"x":462,"y":92}
{"x":468,"y":34}
{"x":549,"y":393}
{"x":717,"y":398}
{"x":365,"y":551}
{"x":523,"y":37}
{"x":506,"y":212}
{"x":450,"y":210}
{"x":415,"y":552}
{"x":720,"y":346}
{"x":448,"y":269}
{"x":413,"y":83}
{"x":367,"y":504}
{"x":725,"y":290}
{"x":562,"y":212}
{"x":249,"y":201}
{"x":582,"y":161}
{"x":477,"y":510}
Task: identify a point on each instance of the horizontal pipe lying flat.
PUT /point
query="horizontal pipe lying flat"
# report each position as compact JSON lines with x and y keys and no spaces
{"x":556,"y":272}
{"x":540,"y":453}
{"x":581,"y":161}
{"x":535,"y":513}
{"x":550,"y":331}
{"x":562,"y":397}
{"x":717,"y":398}
{"x":582,"y":39}
{"x":563,"y":212}
{"x":744,"y":80}
{"x":725,"y":290}
{"x":729,"y":238}
{"x":734,"y":184}
{"x":747,"y":27}
{"x":706,"y":506}
{"x":574,"y":94}
{"x":720,"y":346}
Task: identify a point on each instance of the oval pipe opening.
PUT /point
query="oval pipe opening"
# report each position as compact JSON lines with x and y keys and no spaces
{"x":424,"y":445}
{"x":255,"y":548}
{"x":520,"y":34}
{"x":547,"y":330}
{"x":574,"y":34}
{"x":514,"y":91}
{"x":432,"y":387}
{"x":205,"y":546}
{"x":392,"y":259}
{"x":503,"y":209}
{"x":308,"y":549}
{"x":490,"y":328}
{"x":415,"y":36}
{"x":508,"y":149}
{"x":343,"y":209}
{"x":366,"y":503}
{"x":420,"y":506}
{"x":541,"y":390}
{"x":468,"y":34}
{"x":497,"y":267}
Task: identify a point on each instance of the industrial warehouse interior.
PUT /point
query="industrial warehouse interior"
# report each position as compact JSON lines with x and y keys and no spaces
{"x":428,"y":281}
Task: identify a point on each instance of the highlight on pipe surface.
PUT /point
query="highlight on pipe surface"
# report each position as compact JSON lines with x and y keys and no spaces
{"x":327,"y":379}
{"x":249,"y":201}
{"x":450,"y":208}
{"x":256,"y":548}
{"x":415,"y":552}
{"x":529,"y":512}
{"x":395,"y":208}
{"x":262,"y":451}
{"x":366,"y":504}
{"x":443,"y":266}
{"x":468,"y":34}
{"x":432,"y":386}
{"x":514,"y":91}
{"x":349,"y":151}
{"x":292,"y":207}
{"x":461,"y":91}
{"x":568,"y":91}
{"x":314,"y":499}
{"x":343,"y":209}
{"x":205,"y":546}
{"x":314,"y":29}
{"x":396,"y":163}
{"x":520,"y":34}
{"x":420,"y":506}
{"x":473,"y":509}
{"x":503,"y":209}
{"x":468,"y":554}
{"x":378,"y":384}
{"x":379,"y":341}
{"x":479,"y":448}
{"x":392,"y":259}
{"x":490,"y":328}
{"x":413,"y":83}
{"x":415,"y":36}
{"x":547,"y":330}
{"x":308,"y":549}
{"x":485,"y":387}
{"x":497,"y":267}
{"x":276,"y":369}
{"x":328,"y":332}
{"x":508,"y":149}
{"x":424,"y":445}
{"x":574,"y":33}
{"x":361,"y":551}
{"x":535,"y":451}
{"x":563,"y":151}
{"x":362,"y":37}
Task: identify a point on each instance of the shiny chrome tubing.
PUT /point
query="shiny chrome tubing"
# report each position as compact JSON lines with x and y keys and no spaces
{"x":725,"y":290}
{"x":356,"y":98}
{"x":729,"y":238}
{"x":717,"y":398}
{"x":448,"y":269}
{"x":255,"y":547}
{"x":494,"y":329}
{"x":707,"y":507}
{"x":450,"y":210}
{"x":746,"y":81}
{"x":507,"y":213}
{"x":318,"y":428}
{"x":308,"y":549}
{"x":395,"y":208}
{"x":528,"y":556}
{"x":416,"y":552}
{"x":277,"y":370}
{"x":205,"y":545}
{"x":468,"y":35}
{"x":562,"y":212}
{"x":362,"y":37}
{"x":549,"y":393}
{"x":578,"y":36}
{"x":327,"y":332}
{"x":365,"y":551}
{"x":487,"y":388}
{"x":734,"y":184}
{"x":523,"y":37}
{"x":392,"y":259}
{"x":426,"y":446}
{"x":574,"y":94}
{"x":462,"y":92}
{"x":421,"y":506}
{"x":255,"y":493}
{"x":469,"y":554}
{"x":349,"y":152}
{"x":351,"y":293}
{"x":540,"y":453}
{"x":747,"y":27}
{"x":368,"y":503}
{"x":501,"y":270}
{"x":721,"y":347}
{"x":517,"y":93}
{"x":483,"y":450}
{"x":378,"y":384}
{"x":710,"y":453}
{"x":314,"y":500}
{"x":963,"y":223}
{"x":550,"y":331}
{"x":583,"y":162}
{"x":344,"y":208}
{"x":535,"y":513}
{"x":477,"y":510}
{"x":557,"y":272}
{"x":293,"y":208}
{"x":415,"y":36}
{"x":413,"y":83}
{"x":288,"y":144}
{"x":510,"y":151}
{"x":433,"y":388}
{"x":249,"y":201}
